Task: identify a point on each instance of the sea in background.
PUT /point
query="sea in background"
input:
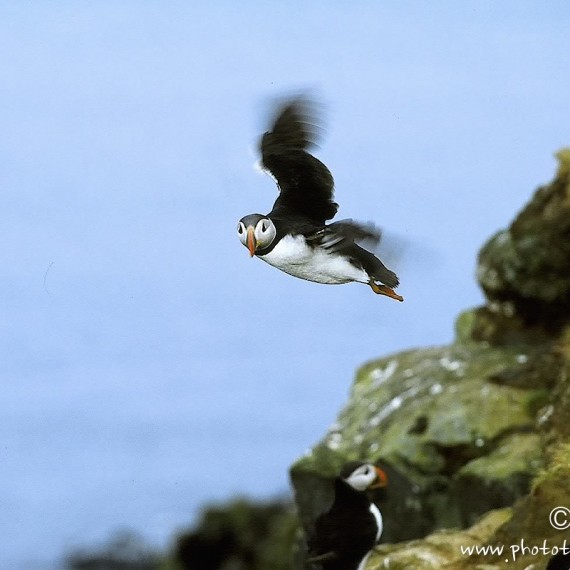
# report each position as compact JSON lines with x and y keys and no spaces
{"x":148,"y":366}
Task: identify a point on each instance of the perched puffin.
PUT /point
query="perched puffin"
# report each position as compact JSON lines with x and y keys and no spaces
{"x":294,"y":237}
{"x":343,"y":537}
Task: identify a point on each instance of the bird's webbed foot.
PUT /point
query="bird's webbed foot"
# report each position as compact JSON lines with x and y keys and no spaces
{"x":383,"y":290}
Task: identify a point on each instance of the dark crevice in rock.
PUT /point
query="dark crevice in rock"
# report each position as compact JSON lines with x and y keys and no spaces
{"x":420,"y":425}
{"x":455,"y":457}
{"x":541,"y":370}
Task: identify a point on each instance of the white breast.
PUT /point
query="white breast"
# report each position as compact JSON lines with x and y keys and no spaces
{"x":363,"y":562}
{"x":293,"y":256}
{"x":378,"y":517}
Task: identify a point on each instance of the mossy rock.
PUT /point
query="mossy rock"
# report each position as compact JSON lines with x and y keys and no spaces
{"x":506,"y":472}
{"x":441,"y":549}
{"x":523,"y":270}
{"x":517,"y":530}
{"x":426,"y":415}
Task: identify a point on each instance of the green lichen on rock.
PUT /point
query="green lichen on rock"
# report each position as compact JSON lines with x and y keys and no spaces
{"x":431,"y":396}
{"x":527,"y":523}
{"x":506,"y":473}
{"x":438,"y":550}
{"x":530,"y":520}
{"x":521,"y":268}
{"x":516,"y":453}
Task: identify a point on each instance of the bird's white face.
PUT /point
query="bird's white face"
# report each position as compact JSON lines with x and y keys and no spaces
{"x":367,"y":476}
{"x":256,"y":232}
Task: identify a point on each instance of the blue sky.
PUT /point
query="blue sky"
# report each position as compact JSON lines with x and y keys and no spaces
{"x":147,"y":363}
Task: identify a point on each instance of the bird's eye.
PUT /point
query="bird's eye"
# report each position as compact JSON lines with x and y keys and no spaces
{"x":240,"y":228}
{"x":264,"y":226}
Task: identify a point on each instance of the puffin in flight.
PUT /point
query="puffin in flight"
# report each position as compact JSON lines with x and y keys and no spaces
{"x":294,"y":236}
{"x":344,"y":536}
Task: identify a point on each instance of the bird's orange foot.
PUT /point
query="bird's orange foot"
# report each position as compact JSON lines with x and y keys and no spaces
{"x":383,"y":290}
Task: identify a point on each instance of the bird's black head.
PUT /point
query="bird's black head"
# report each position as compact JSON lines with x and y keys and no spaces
{"x":256,"y":232}
{"x":362,"y":476}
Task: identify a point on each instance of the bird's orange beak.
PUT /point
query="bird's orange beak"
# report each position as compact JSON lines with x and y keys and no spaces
{"x":251,"y":241}
{"x":382,"y":479}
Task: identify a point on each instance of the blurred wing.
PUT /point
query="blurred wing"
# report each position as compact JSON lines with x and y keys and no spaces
{"x":344,"y":233}
{"x":305,"y":183}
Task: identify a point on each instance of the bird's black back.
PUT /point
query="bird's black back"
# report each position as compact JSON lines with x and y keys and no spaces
{"x":347,"y":530}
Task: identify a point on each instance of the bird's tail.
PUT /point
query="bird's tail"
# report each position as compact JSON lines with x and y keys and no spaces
{"x":376,"y":270}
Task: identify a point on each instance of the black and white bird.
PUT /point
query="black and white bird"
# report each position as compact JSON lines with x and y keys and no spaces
{"x":344,"y":536}
{"x":294,"y":236}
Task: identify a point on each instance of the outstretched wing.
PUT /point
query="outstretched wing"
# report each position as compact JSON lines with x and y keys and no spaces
{"x":305,"y":183}
{"x":341,"y":234}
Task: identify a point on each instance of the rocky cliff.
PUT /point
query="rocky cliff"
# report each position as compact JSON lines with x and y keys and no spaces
{"x":474,"y":435}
